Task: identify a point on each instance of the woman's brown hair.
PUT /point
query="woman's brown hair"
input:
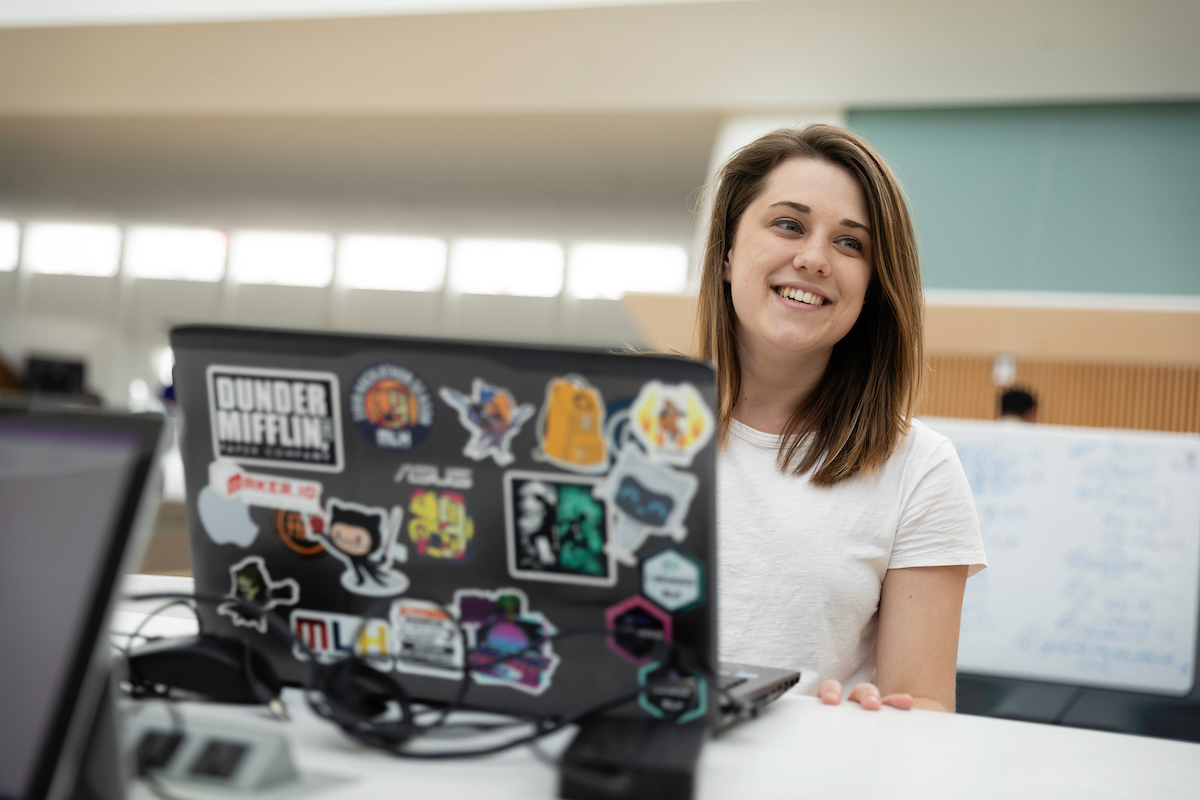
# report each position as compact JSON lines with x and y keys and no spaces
{"x":863,"y":404}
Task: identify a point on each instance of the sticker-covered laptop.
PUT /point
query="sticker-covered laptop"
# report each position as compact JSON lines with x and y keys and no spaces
{"x":380,"y":494}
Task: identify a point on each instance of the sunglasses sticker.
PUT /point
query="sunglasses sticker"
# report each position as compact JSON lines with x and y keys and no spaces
{"x":648,"y":499}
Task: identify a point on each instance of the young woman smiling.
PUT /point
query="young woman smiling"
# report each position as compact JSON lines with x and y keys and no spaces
{"x":846,"y":528}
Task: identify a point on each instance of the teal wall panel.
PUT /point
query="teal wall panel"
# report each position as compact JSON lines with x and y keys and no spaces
{"x":1072,"y":199}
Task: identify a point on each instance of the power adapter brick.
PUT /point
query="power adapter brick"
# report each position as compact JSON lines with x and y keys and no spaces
{"x":613,"y":757}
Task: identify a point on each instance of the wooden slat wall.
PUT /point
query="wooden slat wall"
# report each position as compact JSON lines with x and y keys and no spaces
{"x":1134,"y":396}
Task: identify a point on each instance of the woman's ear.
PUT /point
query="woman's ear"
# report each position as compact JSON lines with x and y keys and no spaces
{"x":725,"y":269}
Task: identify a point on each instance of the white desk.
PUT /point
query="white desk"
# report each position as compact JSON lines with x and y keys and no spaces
{"x":798,"y":748}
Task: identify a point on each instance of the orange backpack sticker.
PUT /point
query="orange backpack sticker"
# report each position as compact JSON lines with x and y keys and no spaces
{"x":571,"y":426}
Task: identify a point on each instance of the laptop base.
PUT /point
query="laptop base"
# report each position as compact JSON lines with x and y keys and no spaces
{"x":614,"y":757}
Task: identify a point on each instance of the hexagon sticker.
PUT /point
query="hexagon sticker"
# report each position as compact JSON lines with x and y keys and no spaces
{"x":672,"y":693}
{"x":636,"y":627}
{"x":673,"y":579}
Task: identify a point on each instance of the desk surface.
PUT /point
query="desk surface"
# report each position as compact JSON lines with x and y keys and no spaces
{"x":798,"y":747}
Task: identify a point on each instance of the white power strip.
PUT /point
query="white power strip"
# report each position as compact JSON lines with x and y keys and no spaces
{"x":202,"y":751}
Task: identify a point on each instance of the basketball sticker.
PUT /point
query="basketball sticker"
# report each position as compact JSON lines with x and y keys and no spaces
{"x":391,"y":407}
{"x":295,"y":531}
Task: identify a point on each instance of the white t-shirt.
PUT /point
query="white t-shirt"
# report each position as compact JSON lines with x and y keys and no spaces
{"x":800,"y":567}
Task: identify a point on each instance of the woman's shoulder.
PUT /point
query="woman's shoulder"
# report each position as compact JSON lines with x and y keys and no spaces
{"x":922,"y":447}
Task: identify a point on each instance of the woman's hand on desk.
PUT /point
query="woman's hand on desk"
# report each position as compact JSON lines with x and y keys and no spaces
{"x":865,"y":694}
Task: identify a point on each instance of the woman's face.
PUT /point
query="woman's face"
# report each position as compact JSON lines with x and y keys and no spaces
{"x":800,"y":262}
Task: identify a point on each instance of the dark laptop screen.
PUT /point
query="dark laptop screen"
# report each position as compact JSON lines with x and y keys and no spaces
{"x":61,"y":492}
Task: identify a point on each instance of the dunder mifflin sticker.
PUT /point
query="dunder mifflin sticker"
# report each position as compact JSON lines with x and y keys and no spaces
{"x":280,"y":418}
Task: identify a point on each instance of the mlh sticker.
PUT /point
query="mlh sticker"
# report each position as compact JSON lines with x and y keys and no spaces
{"x":280,"y":418}
{"x":331,"y":637}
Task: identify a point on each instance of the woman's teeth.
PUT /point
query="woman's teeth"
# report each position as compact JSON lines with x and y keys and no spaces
{"x":803,"y":297}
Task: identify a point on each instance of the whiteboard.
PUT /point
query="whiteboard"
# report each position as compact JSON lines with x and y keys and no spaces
{"x":1093,"y":545}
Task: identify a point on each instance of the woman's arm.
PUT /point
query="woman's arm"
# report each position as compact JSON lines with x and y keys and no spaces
{"x":917,"y":651}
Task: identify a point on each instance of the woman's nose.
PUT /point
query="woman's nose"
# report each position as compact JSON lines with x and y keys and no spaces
{"x":812,"y":256}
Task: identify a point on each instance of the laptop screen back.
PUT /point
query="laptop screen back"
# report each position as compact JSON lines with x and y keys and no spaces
{"x":380,"y":495}
{"x":62,"y":491}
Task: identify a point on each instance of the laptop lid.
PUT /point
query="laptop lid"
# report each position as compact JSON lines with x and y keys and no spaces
{"x":370,"y":490}
{"x":78,"y":502}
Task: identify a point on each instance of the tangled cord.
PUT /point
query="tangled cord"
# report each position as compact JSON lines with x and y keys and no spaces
{"x":329,"y":687}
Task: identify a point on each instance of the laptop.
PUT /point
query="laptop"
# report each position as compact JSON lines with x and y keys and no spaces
{"x":378,"y":492}
{"x":79,"y":491}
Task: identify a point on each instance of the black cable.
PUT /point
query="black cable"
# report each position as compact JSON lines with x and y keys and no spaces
{"x":322,"y":693}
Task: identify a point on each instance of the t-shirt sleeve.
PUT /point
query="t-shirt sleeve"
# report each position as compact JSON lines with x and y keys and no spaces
{"x":938,"y":523}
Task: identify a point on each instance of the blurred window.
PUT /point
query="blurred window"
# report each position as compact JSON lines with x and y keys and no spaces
{"x":398,"y":263}
{"x":288,"y":259}
{"x":611,"y":270}
{"x":10,"y":235}
{"x":63,"y":249}
{"x":498,"y":266}
{"x":190,"y":254}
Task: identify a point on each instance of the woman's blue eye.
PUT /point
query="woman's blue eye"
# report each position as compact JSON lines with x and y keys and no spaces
{"x":853,"y":244}
{"x":789,"y":225}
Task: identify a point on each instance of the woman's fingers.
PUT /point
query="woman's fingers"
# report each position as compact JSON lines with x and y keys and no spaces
{"x":830,"y":692}
{"x":867,"y":696}
{"x":904,"y":702}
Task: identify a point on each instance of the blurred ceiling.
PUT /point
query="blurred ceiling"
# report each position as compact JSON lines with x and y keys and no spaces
{"x":336,"y":170}
{"x":40,"y":13}
{"x":567,"y":120}
{"x":724,"y":57}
